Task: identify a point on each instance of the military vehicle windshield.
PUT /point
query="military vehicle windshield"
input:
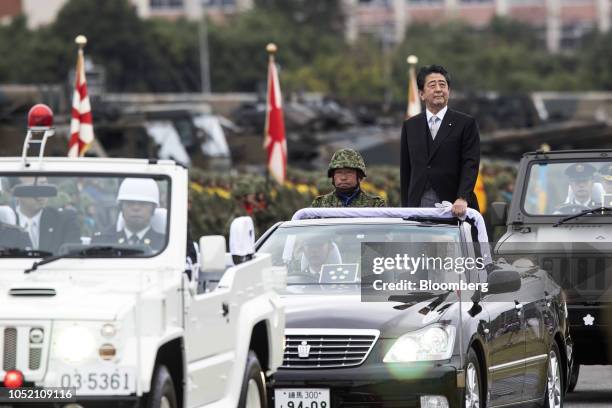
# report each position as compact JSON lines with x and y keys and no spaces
{"x":44,"y":215}
{"x":330,"y":257}
{"x":568,"y":188}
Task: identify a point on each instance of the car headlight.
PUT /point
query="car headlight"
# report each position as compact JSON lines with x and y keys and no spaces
{"x":429,"y":344}
{"x":75,"y":344}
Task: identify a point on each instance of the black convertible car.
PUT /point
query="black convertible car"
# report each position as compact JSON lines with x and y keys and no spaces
{"x":504,"y":343}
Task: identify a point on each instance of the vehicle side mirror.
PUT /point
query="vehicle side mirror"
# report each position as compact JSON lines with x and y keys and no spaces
{"x":212,"y":254}
{"x":503,"y":281}
{"x":242,"y":239}
{"x":499,"y":214}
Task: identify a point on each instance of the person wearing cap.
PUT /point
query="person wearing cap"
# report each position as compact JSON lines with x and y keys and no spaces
{"x":580,"y":176}
{"x":138,"y":198}
{"x":606,"y":175}
{"x":346,"y":170}
{"x":48,"y":228}
{"x":318,"y":251}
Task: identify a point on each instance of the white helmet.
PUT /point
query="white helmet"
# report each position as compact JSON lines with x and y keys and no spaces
{"x":139,"y":189}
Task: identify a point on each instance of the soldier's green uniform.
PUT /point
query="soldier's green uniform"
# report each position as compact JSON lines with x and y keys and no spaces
{"x":347,"y":159}
{"x":362,"y":200}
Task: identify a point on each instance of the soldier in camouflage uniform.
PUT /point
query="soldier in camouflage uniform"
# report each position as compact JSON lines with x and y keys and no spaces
{"x":347,"y":169}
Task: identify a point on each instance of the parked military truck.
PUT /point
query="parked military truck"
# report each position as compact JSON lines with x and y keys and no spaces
{"x":560,"y":219}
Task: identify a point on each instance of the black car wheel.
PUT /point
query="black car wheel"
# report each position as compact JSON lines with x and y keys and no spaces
{"x":162,"y":393}
{"x":553,"y":398}
{"x":253,"y":393}
{"x":573,"y":378}
{"x":473,"y":382}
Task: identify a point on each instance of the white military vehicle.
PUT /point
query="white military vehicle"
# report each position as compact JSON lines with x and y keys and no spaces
{"x":96,"y":293}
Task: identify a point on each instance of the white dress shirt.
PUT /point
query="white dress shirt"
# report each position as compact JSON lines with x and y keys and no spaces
{"x":435,"y":127}
{"x":31,"y":225}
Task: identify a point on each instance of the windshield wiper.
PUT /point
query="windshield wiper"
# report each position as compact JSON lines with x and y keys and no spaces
{"x":30,"y":253}
{"x":580,"y":214}
{"x":411,"y":299}
{"x":89,"y":251}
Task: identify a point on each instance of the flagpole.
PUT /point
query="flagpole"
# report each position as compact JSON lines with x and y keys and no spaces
{"x":271,"y":49}
{"x":412,"y":60}
{"x":73,"y":144}
{"x":81,"y":42}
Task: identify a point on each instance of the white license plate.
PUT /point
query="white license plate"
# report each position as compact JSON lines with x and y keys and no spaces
{"x":301,"y":398}
{"x":98,"y":380}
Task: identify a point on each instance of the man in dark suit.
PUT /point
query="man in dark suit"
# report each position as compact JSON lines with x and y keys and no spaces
{"x":13,"y":237}
{"x":440,"y":149}
{"x":48,"y":228}
{"x":137,"y":199}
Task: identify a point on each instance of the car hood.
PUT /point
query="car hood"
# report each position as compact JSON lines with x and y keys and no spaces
{"x":348,"y":312}
{"x":570,"y":236}
{"x":49,"y":298}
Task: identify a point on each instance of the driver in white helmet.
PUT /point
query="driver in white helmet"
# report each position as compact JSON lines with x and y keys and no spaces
{"x":138,"y":198}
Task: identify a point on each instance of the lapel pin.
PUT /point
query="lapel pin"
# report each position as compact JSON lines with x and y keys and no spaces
{"x":147,"y":241}
{"x":121,"y":240}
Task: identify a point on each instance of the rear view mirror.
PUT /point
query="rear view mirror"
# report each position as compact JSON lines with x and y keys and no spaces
{"x":503,"y":281}
{"x":212,"y":254}
{"x":499,"y":214}
{"x":34,"y":190}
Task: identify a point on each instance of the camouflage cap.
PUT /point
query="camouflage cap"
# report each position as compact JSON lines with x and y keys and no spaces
{"x":346,"y":159}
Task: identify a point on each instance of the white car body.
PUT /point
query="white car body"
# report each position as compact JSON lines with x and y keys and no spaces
{"x":154,"y":306}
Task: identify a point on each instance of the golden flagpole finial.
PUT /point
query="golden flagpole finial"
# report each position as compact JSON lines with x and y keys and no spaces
{"x":271,"y":48}
{"x":81,"y":41}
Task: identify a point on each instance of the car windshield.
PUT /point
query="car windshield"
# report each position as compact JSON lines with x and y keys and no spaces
{"x":329,"y":257}
{"x":44,"y":215}
{"x":568,"y":188}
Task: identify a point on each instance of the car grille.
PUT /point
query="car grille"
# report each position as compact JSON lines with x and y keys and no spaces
{"x":585,"y":274}
{"x":327,"y":348}
{"x":9,"y":359}
{"x":23,"y":347}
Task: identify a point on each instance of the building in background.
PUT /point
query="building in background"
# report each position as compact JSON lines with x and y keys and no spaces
{"x":42,"y":12}
{"x":562,"y":22}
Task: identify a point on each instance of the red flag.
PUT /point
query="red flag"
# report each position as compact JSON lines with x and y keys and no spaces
{"x":414,"y":104}
{"x":274,"y":140}
{"x":81,"y":125}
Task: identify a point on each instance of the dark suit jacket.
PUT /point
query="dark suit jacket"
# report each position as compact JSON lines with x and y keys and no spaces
{"x":13,"y":237}
{"x":450,"y":162}
{"x":57,"y":228}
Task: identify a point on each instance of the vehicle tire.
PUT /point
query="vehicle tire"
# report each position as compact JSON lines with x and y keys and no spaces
{"x":162,"y":394}
{"x":253,"y":393}
{"x":553,"y":397}
{"x":473,"y":391}
{"x":573,"y":377}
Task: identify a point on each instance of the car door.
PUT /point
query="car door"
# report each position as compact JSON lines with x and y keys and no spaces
{"x":536,"y":301}
{"x":506,"y":348}
{"x":209,"y":344}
